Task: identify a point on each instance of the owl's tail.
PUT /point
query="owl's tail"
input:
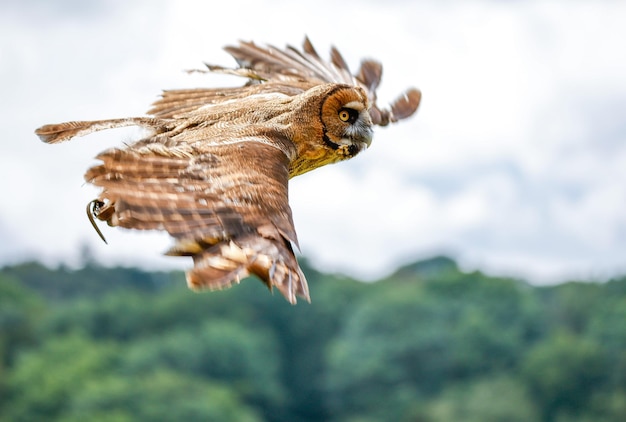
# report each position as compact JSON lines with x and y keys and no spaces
{"x":55,"y":133}
{"x":226,"y":263}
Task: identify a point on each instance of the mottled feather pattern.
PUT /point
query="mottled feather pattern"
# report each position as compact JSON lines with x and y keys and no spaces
{"x":197,"y":198}
{"x":214,"y":170}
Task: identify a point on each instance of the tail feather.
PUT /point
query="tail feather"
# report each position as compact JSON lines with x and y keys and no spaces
{"x":226,"y":263}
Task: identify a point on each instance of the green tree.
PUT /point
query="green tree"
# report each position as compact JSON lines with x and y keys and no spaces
{"x":65,"y":284}
{"x":219,"y":350}
{"x":570,"y":305}
{"x":429,"y":343}
{"x":73,"y":378}
{"x":407,"y":341}
{"x":607,"y":327}
{"x":303,"y":334}
{"x":44,"y":380}
{"x":562,"y":372}
{"x":20,"y":308}
{"x":497,"y":399}
{"x":158,"y":395}
{"x":393,"y":349}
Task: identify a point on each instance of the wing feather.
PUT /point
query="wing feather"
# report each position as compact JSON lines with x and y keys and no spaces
{"x":228,"y":209}
{"x":55,"y":133}
{"x":289,"y":71}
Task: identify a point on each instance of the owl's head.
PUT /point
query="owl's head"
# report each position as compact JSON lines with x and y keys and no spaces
{"x":346,"y":123}
{"x":330,"y":123}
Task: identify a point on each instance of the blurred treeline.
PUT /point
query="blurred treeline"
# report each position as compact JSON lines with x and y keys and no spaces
{"x":430,"y":343}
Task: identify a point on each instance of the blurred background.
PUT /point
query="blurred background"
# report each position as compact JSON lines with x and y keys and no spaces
{"x":512,"y":175}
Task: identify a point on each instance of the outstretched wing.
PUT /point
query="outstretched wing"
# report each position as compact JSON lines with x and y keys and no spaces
{"x":288,"y":71}
{"x":226,"y":207}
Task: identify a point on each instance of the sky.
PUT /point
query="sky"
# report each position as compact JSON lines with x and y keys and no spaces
{"x":515,"y":163}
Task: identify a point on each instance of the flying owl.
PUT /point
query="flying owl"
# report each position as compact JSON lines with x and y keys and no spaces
{"x":214,"y":170}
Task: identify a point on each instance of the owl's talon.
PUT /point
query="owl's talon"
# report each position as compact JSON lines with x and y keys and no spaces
{"x":93,"y":208}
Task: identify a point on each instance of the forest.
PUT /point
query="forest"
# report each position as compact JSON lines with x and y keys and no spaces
{"x":429,"y":343}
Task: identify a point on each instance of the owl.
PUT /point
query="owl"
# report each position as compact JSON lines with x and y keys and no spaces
{"x":213,"y":171}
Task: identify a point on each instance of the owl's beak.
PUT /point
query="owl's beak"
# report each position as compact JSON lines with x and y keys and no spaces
{"x":367,"y":137}
{"x":362,"y":129}
{"x":364,"y":143}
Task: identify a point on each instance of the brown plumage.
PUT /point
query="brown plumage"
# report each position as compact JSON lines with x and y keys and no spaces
{"x":214,"y":171}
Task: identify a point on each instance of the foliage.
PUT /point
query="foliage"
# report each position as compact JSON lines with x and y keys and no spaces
{"x":429,"y":343}
{"x":502,"y":398}
{"x":19,"y":309}
{"x":562,"y":372}
{"x":71,"y":378}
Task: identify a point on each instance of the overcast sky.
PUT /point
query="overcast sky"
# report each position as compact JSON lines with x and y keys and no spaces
{"x":515,"y":163}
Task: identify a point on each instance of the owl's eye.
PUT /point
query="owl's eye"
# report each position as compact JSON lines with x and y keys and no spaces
{"x":348,"y":115}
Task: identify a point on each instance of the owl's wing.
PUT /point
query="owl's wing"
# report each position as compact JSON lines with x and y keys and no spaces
{"x":288,"y":71}
{"x":271,"y":63}
{"x":228,"y":212}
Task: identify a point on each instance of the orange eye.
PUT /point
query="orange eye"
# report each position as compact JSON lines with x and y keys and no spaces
{"x":348,"y":115}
